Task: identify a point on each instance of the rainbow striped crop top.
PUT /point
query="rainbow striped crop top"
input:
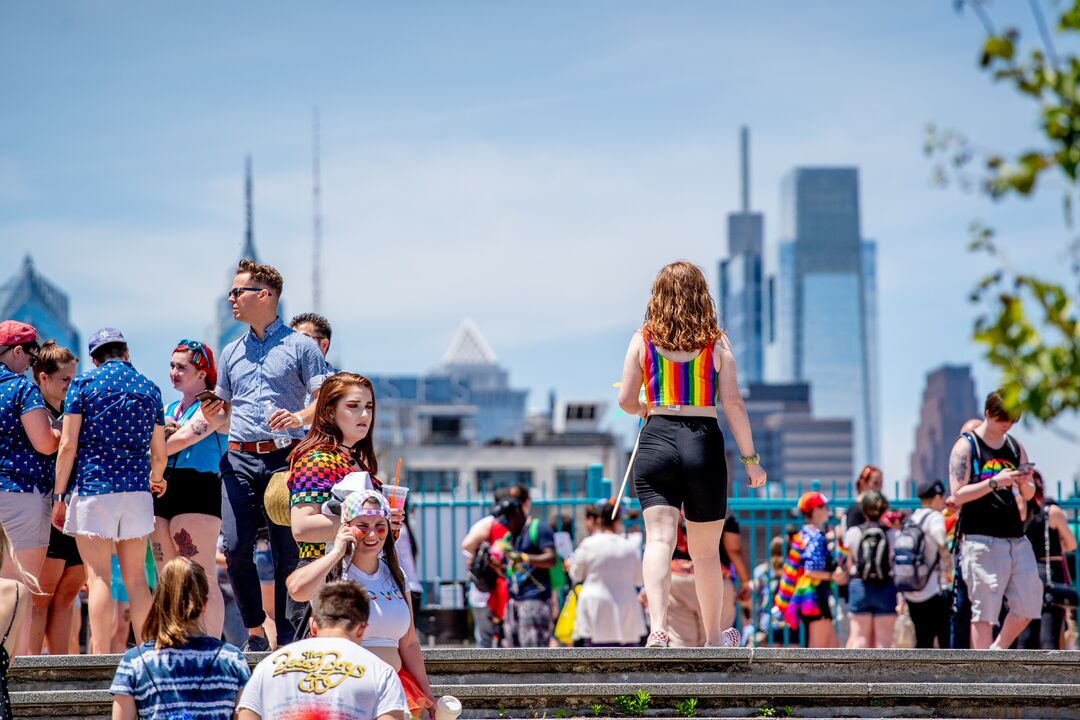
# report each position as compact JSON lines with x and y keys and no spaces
{"x":670,"y":383}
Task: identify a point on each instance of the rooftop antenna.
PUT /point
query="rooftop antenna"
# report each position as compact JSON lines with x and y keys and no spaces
{"x":249,"y":213}
{"x":316,"y":245}
{"x":744,"y":148}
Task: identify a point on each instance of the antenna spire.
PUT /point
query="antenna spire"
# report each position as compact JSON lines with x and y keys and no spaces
{"x":249,"y":214}
{"x":744,"y":151}
{"x":316,"y":199}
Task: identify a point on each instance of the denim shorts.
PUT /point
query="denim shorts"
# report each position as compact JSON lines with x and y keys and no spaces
{"x":871,"y":598}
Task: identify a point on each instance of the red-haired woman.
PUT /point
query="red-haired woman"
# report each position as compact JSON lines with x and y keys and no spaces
{"x":870,"y":478}
{"x":686,"y":366}
{"x":187,"y":516}
{"x":339,"y":443}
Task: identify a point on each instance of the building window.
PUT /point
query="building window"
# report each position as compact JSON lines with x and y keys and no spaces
{"x":433,"y":480}
{"x":572,"y":481}
{"x":491,"y":480}
{"x":445,"y":430}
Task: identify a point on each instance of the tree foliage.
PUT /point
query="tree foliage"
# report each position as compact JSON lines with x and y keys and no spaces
{"x":1028,"y":325}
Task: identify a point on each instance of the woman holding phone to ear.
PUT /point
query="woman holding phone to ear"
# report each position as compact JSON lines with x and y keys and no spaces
{"x":187,"y":517}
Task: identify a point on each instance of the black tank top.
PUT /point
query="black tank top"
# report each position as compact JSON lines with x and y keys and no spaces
{"x":1036,"y":535}
{"x":994,"y":514}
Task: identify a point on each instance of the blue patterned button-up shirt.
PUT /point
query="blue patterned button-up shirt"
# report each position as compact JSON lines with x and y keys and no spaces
{"x":22,"y":469}
{"x":119,"y":409}
{"x":282,"y":369}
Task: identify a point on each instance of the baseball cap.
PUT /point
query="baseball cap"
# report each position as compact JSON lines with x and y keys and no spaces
{"x":930,"y":488}
{"x":353,"y":506}
{"x":810,"y":501}
{"x":13,"y":332}
{"x":105,"y":336}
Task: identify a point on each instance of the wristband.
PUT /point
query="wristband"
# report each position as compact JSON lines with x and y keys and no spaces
{"x":57,"y":497}
{"x":754,"y":459}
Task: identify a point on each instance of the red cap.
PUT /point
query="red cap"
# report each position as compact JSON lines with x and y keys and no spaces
{"x":810,"y":501}
{"x":13,"y":332}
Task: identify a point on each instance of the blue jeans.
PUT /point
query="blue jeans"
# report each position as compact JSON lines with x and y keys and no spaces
{"x":245,"y":476}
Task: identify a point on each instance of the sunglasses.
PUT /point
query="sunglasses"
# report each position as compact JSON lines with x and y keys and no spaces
{"x":196,"y":348}
{"x":238,"y":291}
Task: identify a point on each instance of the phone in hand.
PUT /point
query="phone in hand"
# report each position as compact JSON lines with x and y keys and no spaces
{"x":207,"y":395}
{"x":1025,"y":467}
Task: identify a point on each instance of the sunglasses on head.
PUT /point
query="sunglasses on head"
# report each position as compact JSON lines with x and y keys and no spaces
{"x":196,"y":348}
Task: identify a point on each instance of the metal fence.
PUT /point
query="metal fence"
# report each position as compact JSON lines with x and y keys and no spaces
{"x":440,"y":521}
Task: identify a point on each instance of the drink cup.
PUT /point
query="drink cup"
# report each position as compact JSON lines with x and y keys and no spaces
{"x":448,"y":708}
{"x":395,"y":495}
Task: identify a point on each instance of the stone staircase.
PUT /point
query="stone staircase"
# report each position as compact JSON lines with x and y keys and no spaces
{"x":772,"y":682}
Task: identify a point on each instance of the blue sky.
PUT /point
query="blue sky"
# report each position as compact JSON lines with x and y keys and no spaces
{"x":529,"y":165}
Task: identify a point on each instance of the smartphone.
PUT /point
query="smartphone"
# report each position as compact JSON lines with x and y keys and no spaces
{"x":1026,"y":467}
{"x":206,"y":395}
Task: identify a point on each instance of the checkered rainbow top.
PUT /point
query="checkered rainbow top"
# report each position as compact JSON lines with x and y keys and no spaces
{"x":311,"y":479}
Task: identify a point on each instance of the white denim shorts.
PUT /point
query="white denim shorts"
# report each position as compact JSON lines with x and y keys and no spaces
{"x":117,"y":516}
{"x":25,"y":516}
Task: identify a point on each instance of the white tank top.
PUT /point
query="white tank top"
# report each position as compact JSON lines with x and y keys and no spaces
{"x":390,"y":617}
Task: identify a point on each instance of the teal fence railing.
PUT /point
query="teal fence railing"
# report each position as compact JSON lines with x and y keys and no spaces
{"x":440,"y":521}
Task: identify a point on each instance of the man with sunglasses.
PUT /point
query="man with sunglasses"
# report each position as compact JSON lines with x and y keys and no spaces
{"x":26,"y":439}
{"x":267,"y":375}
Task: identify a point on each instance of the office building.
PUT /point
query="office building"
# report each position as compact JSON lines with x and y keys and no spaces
{"x":821,"y":300}
{"x":948,"y":402}
{"x":28,"y":297}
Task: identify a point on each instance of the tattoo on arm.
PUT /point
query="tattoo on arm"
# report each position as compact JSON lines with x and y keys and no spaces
{"x":199,"y":427}
{"x":959,"y":462}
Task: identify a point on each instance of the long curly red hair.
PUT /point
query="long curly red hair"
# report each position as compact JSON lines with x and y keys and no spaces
{"x":681,"y":314}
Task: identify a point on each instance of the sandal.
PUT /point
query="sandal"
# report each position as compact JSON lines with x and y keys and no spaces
{"x":657,"y":639}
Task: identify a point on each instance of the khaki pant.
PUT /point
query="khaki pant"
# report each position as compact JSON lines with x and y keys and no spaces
{"x":685,"y":628}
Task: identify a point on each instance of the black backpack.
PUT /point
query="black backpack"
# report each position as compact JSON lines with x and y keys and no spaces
{"x":481,"y":573}
{"x":872,"y":554}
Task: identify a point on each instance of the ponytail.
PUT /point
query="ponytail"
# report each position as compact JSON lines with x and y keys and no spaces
{"x":179,"y":602}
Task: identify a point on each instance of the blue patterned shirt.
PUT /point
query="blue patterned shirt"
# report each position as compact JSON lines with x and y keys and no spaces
{"x":22,"y":469}
{"x":119,"y":409}
{"x":816,"y":554}
{"x":283,"y":369}
{"x":185,"y":679}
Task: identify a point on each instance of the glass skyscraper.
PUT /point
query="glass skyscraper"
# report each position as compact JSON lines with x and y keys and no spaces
{"x":821,"y":302}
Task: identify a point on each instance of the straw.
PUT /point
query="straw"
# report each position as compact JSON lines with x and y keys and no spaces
{"x":397,"y":472}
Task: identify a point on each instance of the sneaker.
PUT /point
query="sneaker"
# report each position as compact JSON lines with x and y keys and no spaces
{"x":729,"y":638}
{"x":657,"y":639}
{"x":257,"y":643}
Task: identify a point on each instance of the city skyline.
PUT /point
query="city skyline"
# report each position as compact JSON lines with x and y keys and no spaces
{"x":533,"y":181}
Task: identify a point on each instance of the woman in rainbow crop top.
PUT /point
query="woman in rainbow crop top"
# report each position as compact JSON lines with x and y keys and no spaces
{"x":686,"y":366}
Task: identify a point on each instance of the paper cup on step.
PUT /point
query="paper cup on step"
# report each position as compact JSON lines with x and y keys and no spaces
{"x":395,"y":495}
{"x":448,"y":708}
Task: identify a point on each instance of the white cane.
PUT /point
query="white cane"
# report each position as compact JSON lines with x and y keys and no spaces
{"x":626,"y":477}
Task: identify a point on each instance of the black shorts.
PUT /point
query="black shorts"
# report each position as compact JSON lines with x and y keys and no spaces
{"x":680,"y":463}
{"x":822,"y":594}
{"x":189,"y":491}
{"x":63,"y":547}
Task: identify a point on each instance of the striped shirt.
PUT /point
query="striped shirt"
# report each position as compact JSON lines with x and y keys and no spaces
{"x":671,"y":383}
{"x":186,"y":681}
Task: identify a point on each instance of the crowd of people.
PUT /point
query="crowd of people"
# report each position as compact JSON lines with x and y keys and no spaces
{"x":251,"y":507}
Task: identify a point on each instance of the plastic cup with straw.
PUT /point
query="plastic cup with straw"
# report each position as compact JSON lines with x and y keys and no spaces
{"x":396,"y":494}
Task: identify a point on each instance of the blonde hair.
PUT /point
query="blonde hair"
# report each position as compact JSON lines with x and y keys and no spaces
{"x":681,"y":314}
{"x":179,"y":601}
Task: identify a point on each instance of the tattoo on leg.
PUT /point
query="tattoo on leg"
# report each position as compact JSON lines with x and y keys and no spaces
{"x":184,"y":545}
{"x":159,"y":552}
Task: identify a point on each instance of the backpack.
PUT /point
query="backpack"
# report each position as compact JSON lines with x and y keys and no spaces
{"x":911,"y":572}
{"x":872,"y":554}
{"x":483,"y":576}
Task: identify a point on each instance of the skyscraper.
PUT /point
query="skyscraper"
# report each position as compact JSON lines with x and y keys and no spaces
{"x":28,"y":297}
{"x":821,"y":298}
{"x":948,"y":402}
{"x":739,"y":289}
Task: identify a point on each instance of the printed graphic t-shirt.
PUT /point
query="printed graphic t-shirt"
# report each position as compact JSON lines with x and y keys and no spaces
{"x":328,"y":678}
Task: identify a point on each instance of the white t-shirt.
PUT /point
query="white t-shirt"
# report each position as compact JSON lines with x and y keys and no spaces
{"x":390,"y":617}
{"x":333,"y":676}
{"x":933,"y":525}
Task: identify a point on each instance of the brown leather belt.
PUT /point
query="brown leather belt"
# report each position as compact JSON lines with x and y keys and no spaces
{"x":261,"y":447}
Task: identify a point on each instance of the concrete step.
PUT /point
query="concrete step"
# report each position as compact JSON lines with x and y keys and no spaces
{"x":564,"y":682}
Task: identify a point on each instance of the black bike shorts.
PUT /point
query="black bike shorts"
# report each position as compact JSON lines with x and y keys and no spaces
{"x":680,"y":462}
{"x":189,"y":491}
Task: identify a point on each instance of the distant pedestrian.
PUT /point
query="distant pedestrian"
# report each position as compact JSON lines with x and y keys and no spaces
{"x":608,"y":566}
{"x":805,"y":590}
{"x":328,"y":675}
{"x":187,"y":516}
{"x":991,"y":480}
{"x":686,"y":367}
{"x":870,"y":478}
{"x":266,"y":375}
{"x":62,"y":574}
{"x":180,"y":671}
{"x":527,"y":559}
{"x":929,"y":606}
{"x":114,"y":440}
{"x":1052,"y":538}
{"x":26,"y":439}
{"x":317,"y":328}
{"x":771,"y":630}
{"x":871,"y":590}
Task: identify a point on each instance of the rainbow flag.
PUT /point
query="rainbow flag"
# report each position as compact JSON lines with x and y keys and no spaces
{"x":797,"y":591}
